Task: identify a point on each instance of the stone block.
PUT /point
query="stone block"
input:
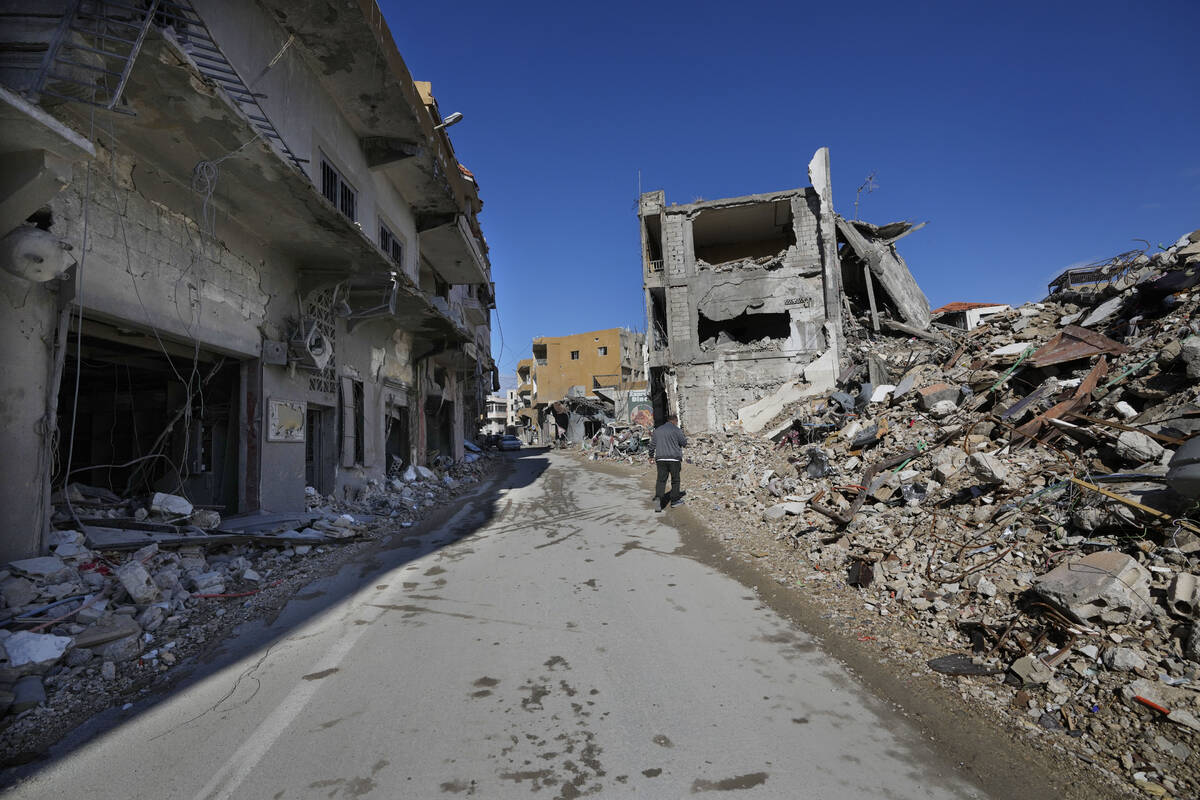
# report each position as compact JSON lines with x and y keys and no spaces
{"x":136,"y":580}
{"x":936,"y":393}
{"x":1107,"y":584}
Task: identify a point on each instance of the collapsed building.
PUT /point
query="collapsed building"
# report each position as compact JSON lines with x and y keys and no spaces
{"x":241,"y":260}
{"x":744,"y":296}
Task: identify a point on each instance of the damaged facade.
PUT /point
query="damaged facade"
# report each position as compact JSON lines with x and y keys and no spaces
{"x":240,"y":258}
{"x":744,"y":295}
{"x":605,"y":366}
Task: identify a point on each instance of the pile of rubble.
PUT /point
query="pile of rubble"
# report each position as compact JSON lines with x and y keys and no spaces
{"x":1015,"y":505}
{"x":135,"y":586}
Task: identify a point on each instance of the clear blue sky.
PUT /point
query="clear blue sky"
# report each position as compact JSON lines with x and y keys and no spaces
{"x":1031,"y":135}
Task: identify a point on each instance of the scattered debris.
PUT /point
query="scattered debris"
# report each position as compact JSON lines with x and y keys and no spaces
{"x":1020,"y":499}
{"x":144,"y":583}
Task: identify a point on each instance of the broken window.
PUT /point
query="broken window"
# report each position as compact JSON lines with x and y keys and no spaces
{"x":338,"y":190}
{"x":658,"y":319}
{"x":601,"y":350}
{"x":390,"y":244}
{"x":743,"y":329}
{"x":653,"y":238}
{"x":757,"y":232}
{"x":148,"y":416}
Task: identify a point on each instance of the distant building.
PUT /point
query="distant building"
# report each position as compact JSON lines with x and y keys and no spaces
{"x":967,"y":315}
{"x":495,"y":415}
{"x":582,"y":365}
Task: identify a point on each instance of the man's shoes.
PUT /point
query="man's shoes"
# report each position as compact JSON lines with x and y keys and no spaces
{"x":658,"y":509}
{"x":678,"y":502}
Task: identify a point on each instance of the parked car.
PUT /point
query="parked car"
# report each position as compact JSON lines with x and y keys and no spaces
{"x":510,"y":443}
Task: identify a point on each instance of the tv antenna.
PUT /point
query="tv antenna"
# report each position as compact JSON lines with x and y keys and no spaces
{"x":868,"y":186}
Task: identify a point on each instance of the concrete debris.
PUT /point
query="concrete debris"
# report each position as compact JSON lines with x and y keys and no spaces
{"x":171,"y":505}
{"x":89,"y":623}
{"x":136,"y":580}
{"x":1138,"y":448}
{"x":26,"y":649}
{"x":1108,"y":584}
{"x":1043,"y":520}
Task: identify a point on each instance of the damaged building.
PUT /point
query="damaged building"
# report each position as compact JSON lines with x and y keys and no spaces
{"x":605,"y":368}
{"x":240,"y":258}
{"x":744,"y":296}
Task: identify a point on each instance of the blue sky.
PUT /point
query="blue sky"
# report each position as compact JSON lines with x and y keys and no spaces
{"x":1031,"y":136}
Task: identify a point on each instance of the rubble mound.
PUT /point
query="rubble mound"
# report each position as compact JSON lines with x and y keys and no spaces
{"x":1015,"y":507}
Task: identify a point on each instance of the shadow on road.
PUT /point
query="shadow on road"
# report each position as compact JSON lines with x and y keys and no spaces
{"x":445,"y":526}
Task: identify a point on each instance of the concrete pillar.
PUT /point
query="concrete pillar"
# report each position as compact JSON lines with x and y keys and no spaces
{"x":28,"y":317}
{"x":819,"y":177}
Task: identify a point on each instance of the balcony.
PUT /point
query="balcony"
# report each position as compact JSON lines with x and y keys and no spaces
{"x":454,"y":252}
{"x":475,"y":312}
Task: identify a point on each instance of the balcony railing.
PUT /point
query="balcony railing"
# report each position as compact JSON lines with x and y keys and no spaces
{"x":656,"y":266}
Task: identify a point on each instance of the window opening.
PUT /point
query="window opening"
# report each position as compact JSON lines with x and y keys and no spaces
{"x":744,"y":328}
{"x":338,"y":191}
{"x":359,"y":423}
{"x":602,"y":350}
{"x":574,"y":355}
{"x":390,"y":244}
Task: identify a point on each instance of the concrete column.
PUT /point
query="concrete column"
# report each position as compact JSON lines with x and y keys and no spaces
{"x":818,"y":176}
{"x":28,"y":317}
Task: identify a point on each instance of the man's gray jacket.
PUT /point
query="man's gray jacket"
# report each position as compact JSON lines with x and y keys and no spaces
{"x":668,"y":442}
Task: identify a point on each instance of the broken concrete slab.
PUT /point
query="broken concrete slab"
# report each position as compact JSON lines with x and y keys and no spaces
{"x":1107,"y":584}
{"x":875,"y":247}
{"x":28,"y":649}
{"x":118,"y":627}
{"x":47,"y":569}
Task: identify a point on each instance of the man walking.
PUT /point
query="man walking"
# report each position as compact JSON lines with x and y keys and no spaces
{"x":667,"y":443}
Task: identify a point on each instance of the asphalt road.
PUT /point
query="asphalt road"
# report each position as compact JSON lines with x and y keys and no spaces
{"x":550,"y":639}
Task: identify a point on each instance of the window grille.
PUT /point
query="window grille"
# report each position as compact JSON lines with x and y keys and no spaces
{"x":391,"y":245}
{"x":319,"y":308}
{"x":338,"y":191}
{"x":574,"y":355}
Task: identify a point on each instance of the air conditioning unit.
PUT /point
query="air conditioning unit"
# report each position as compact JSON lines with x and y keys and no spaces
{"x":309,"y":347}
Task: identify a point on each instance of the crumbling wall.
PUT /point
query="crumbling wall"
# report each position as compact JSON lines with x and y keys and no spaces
{"x":722,"y":356}
{"x":152,"y":266}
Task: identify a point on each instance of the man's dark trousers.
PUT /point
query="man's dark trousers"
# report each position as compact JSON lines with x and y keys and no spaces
{"x":667,"y":468}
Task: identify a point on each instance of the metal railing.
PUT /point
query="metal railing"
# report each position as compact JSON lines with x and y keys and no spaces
{"x":656,"y":266}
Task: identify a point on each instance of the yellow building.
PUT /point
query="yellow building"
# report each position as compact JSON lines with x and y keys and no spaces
{"x":594,"y":360}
